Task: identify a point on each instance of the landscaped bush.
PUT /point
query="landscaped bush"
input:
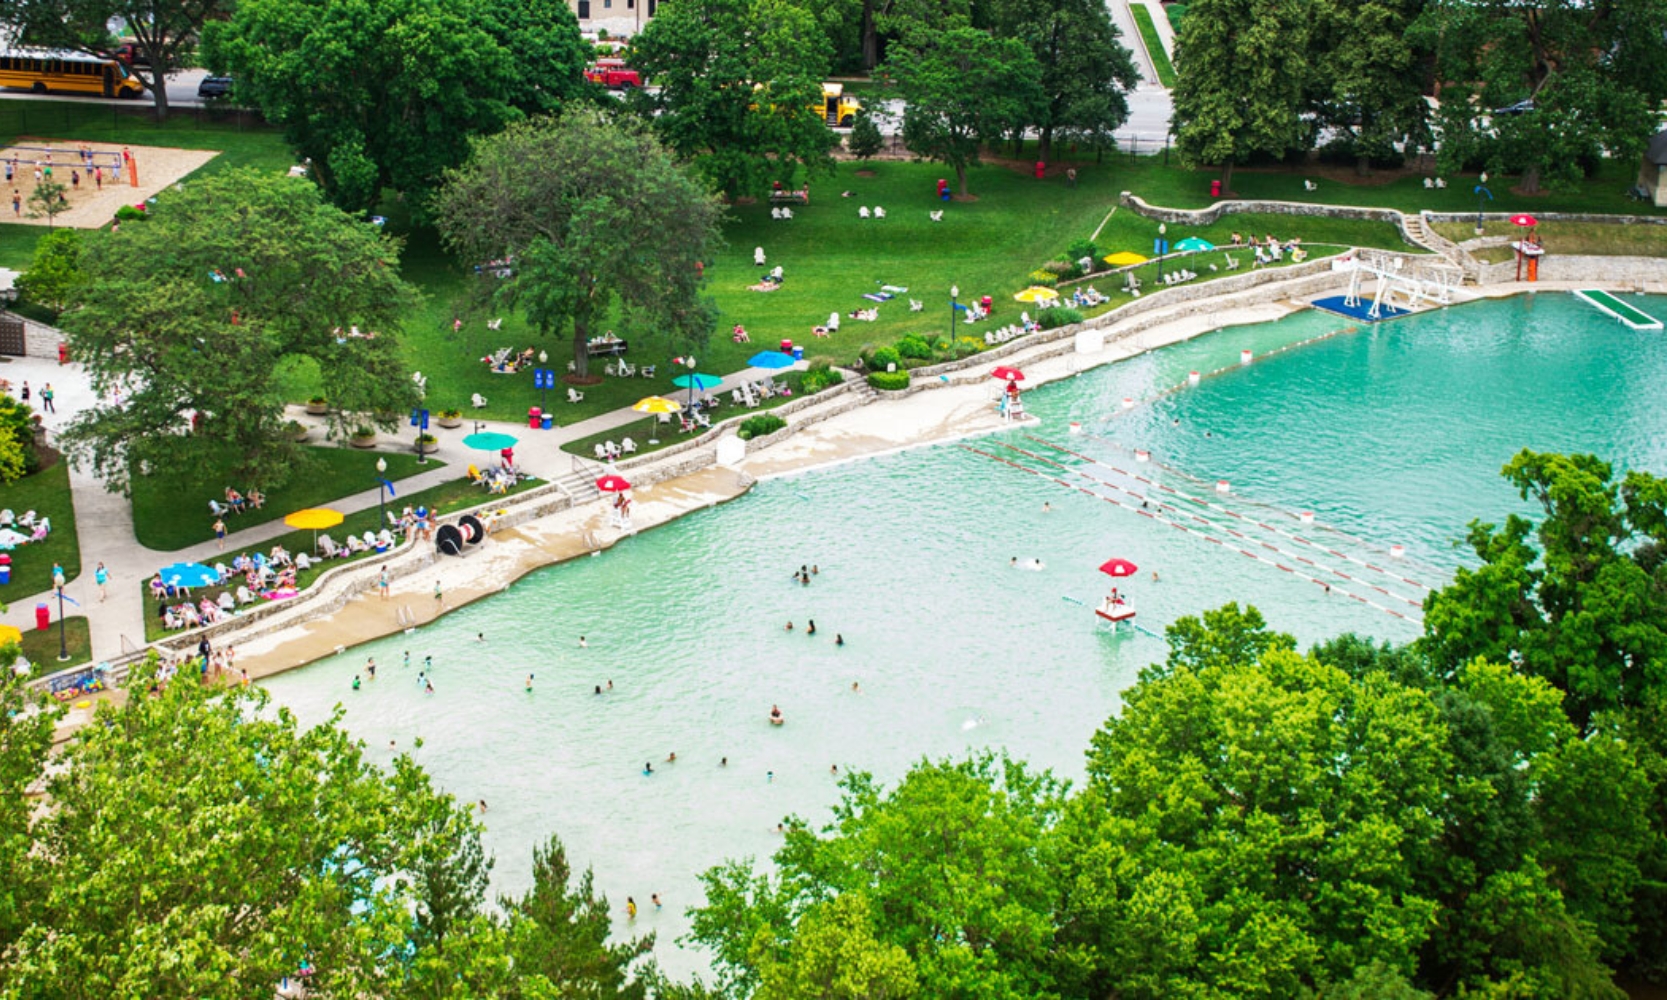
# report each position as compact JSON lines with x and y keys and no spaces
{"x":914,"y":346}
{"x":1059,"y":316}
{"x":1080,"y":248}
{"x":888,"y":381}
{"x":1045,"y":278}
{"x":968,"y":346}
{"x":127,"y":213}
{"x":760,"y":425}
{"x":820,"y":375}
{"x":882,"y":357}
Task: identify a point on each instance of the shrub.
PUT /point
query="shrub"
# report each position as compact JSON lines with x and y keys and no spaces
{"x":967,"y":346}
{"x":865,"y":139}
{"x":127,"y":213}
{"x":364,"y":431}
{"x":888,"y":381}
{"x":760,"y":425}
{"x":914,"y":346}
{"x":1080,"y":248}
{"x":819,"y":376}
{"x":1047,"y":279}
{"x":450,"y":414}
{"x":881,"y":358}
{"x":1059,"y":268}
{"x":1059,"y":316}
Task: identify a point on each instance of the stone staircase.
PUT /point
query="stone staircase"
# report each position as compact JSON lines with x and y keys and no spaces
{"x":1420,"y":232}
{"x":580,"y":485}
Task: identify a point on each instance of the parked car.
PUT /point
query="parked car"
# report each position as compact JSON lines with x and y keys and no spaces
{"x":214,"y":87}
{"x":1519,"y":108}
{"x":130,"y":54}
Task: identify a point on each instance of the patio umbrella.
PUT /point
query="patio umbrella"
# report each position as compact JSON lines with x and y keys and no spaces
{"x":1124,"y":258}
{"x":1193,"y":243}
{"x":1119,"y":568}
{"x":315,"y":518}
{"x":612,"y":483}
{"x":1007,"y":374}
{"x":1525,"y":220}
{"x":9,"y":633}
{"x":770,"y":359}
{"x":1036,"y":293}
{"x":695,"y":381}
{"x":656,"y":405}
{"x":490,"y":441}
{"x":188,"y":574}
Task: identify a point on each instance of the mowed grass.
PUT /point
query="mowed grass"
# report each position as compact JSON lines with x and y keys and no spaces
{"x":47,"y":493}
{"x":171,"y":511}
{"x":41,"y":648}
{"x":1154,"y":44}
{"x":1595,"y":238}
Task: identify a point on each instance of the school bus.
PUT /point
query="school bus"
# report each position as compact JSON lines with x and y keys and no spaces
{"x":839,"y":109}
{"x":65,"y":72}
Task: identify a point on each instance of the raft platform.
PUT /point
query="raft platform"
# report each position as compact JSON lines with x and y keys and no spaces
{"x":1608,"y":304}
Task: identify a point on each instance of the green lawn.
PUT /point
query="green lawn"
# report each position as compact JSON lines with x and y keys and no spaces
{"x":458,"y":494}
{"x":1595,"y":238}
{"x":171,"y":512}
{"x":41,"y":648}
{"x":638,"y":431}
{"x":1154,"y":45}
{"x":46,"y":493}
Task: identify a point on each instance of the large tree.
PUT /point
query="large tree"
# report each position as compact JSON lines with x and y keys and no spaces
{"x":739,"y":90}
{"x":964,"y":88}
{"x":165,"y":30}
{"x":594,"y":215}
{"x":1087,"y":73}
{"x":558,"y":937}
{"x":1582,"y":79}
{"x":55,"y":270}
{"x":1369,"y":77}
{"x":384,"y":94}
{"x":193,"y":310}
{"x":1243,"y":68}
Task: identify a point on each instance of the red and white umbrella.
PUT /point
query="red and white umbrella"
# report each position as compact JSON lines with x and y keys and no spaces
{"x":611,"y":483}
{"x":1007,"y":374}
{"x":1524,"y":220}
{"x":1119,"y":568}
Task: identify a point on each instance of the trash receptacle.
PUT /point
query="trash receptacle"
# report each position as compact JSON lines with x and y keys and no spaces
{"x":1215,"y":189}
{"x":534,"y":417}
{"x":787,"y":347}
{"x":5,"y":569}
{"x":798,"y":352}
{"x":547,"y":422}
{"x":43,"y":617}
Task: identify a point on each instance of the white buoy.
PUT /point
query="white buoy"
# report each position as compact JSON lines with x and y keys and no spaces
{"x":1128,"y":403}
{"x":1245,"y":356}
{"x":1142,"y":456}
{"x":1193,"y":377}
{"x":1222,"y":487}
{"x":1397,"y":551}
{"x":1306,"y":517}
{"x":1076,"y":428}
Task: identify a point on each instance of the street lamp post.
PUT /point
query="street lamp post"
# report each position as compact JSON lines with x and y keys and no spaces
{"x":544,"y":381}
{"x":1161,"y":247}
{"x":63,"y":641}
{"x":954,"y":304}
{"x":381,"y":493}
{"x":690,"y":361}
{"x":1483,"y":195}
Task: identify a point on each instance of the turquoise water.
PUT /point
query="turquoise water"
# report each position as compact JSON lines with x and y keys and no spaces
{"x":1390,"y":435}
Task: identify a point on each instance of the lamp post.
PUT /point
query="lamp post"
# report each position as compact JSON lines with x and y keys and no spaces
{"x":543,"y":377}
{"x":381,"y":493}
{"x":63,"y":641}
{"x":954,"y":304}
{"x":690,"y":362}
{"x":1161,"y":248}
{"x":1483,"y":195}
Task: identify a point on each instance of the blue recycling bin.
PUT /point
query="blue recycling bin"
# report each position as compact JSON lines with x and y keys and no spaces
{"x":547,"y":422}
{"x":798,"y":352}
{"x":5,"y":569}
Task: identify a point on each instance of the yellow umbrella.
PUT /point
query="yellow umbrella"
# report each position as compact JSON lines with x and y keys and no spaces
{"x":1036,"y":293}
{"x":9,"y":634}
{"x":314,"y":518}
{"x":1124,"y":258}
{"x":656,"y":405}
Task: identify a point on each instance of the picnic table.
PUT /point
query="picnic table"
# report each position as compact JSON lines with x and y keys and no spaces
{"x":607,"y":348}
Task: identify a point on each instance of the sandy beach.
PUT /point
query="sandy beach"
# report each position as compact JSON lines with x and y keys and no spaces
{"x":93,"y":205}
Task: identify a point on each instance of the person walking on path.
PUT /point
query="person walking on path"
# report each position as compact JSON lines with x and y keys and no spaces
{"x":220,"y":534}
{"x":26,"y":392}
{"x":46,"y":398}
{"x":101,"y":576}
{"x":382,"y":585}
{"x":439,"y":598}
{"x":17,"y":204}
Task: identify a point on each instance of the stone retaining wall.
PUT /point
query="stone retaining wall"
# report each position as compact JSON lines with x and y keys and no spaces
{"x":1637,"y":272}
{"x":1619,"y":220}
{"x":1213,"y":214}
{"x":39,"y":339}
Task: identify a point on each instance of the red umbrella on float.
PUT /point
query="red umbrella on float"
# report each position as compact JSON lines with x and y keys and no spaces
{"x":611,"y":483}
{"x":1525,"y":221}
{"x":1007,"y":374}
{"x":1119,"y":568}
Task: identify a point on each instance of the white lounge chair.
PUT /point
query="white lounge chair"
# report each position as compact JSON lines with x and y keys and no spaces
{"x":863,"y":212}
{"x":786,"y":213}
{"x":574,"y":396}
{"x":775,"y":213}
{"x":628,"y":446}
{"x":936,"y":216}
{"x":495,"y":324}
{"x":758,"y":256}
{"x":915,"y":305}
{"x":303,"y":561}
{"x":478,"y":401}
{"x":879,"y":213}
{"x":601,"y":453}
{"x":244,"y":596}
{"x":215,"y":507}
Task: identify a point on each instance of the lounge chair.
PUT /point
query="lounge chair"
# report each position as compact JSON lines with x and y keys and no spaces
{"x":648,"y":371}
{"x":215,"y":508}
{"x":574,"y":396}
{"x":628,"y":446}
{"x":601,"y":453}
{"x":478,"y":401}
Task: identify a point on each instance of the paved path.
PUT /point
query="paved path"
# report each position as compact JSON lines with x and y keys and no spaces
{"x":1126,"y":27}
{"x":104,"y":520}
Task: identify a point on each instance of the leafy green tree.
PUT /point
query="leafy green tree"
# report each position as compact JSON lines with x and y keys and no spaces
{"x":193,"y":311}
{"x":865,"y":140}
{"x":607,"y":219}
{"x":165,"y":31}
{"x":1583,"y":608}
{"x":949,"y":873}
{"x":1087,"y":73}
{"x":1591,"y":75}
{"x":385,"y":94}
{"x":14,"y":456}
{"x":47,"y":201}
{"x":740,"y":90}
{"x":17,"y":431}
{"x":558,"y":937}
{"x":964,"y":88}
{"x":1369,"y":78}
{"x":1220,"y":637}
{"x":26,"y":725}
{"x":55,"y":271}
{"x":1242,"y":69}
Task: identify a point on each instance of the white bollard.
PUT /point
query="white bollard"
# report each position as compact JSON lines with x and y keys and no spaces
{"x":1142,"y":456}
{"x":1222,"y":487}
{"x":1193,"y":377}
{"x":1245,"y":356}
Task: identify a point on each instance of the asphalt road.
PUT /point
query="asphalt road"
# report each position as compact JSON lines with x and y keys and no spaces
{"x":182,"y":93}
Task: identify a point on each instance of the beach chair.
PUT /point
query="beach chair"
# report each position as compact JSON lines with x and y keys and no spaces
{"x":786,"y":213}
{"x":758,"y":256}
{"x":1310,"y":186}
{"x":1232,"y":262}
{"x":574,"y":396}
{"x":915,"y":305}
{"x":215,"y":508}
{"x":703,"y":421}
{"x":328,"y":546}
{"x":628,"y":446}
{"x":1440,"y":184}
{"x":863,"y":212}
{"x":879,"y":213}
{"x":1429,"y":183}
{"x":495,"y":324}
{"x":610,"y":449}
{"x":303,"y":561}
{"x":478,"y":401}
{"x":775,"y":213}
{"x":244,"y":596}
{"x":648,"y":371}
{"x":601,"y":454}
{"x":936,"y":216}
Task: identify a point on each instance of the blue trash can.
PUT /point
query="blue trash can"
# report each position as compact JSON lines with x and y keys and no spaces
{"x":548,"y":422}
{"x":798,"y":352}
{"x":5,"y":569}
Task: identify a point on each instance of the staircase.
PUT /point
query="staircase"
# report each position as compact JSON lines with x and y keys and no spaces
{"x":581,"y":486}
{"x":1418,"y":230}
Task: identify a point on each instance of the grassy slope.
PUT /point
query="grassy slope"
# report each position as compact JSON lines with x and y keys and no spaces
{"x":169,"y":513}
{"x":1596,"y":238}
{"x":47,"y":493}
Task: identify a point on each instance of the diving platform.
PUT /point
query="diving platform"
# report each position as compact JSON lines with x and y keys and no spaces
{"x":1403,"y":284}
{"x":1611,"y":306}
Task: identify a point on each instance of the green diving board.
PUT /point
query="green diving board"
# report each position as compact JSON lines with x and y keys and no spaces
{"x":1632,"y":316}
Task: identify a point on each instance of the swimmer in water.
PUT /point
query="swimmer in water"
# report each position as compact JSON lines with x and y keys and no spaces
{"x":789,"y":627}
{"x":429,"y":688}
{"x":428,"y":663}
{"x":856,"y":688}
{"x":355,"y":682}
{"x":582,"y":643}
{"x":812,"y":629}
{"x":655,"y":899}
{"x":630,"y":908}
{"x":1047,"y":508}
{"x":481,"y":805}
{"x":769,"y":777}
{"x":647,"y":768}
{"x":839,"y":639}
{"x":1154,"y":576}
{"x":421,"y":678}
{"x":724,"y":762}
{"x":529,"y":682}
{"x":671,"y":758}
{"x":833,"y":769}
{"x":610,"y":685}
{"x":815,"y":570}
{"x":407,"y":662}
{"x":598,"y":689}
{"x":1013,"y":563}
{"x":480,"y":636}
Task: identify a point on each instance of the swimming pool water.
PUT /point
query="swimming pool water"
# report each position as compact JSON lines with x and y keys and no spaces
{"x":1391,"y":434}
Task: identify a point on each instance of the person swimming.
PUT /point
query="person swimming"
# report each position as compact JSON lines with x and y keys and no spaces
{"x":529,"y":682}
{"x":598,"y":689}
{"x":789,"y":627}
{"x":671,"y":758}
{"x":839,"y":639}
{"x":630,"y":908}
{"x":856,"y":688}
{"x":429,"y":688}
{"x":582,"y":643}
{"x":812,"y":629}
{"x":647,"y":768}
{"x":355,"y":682}
{"x":724,"y":762}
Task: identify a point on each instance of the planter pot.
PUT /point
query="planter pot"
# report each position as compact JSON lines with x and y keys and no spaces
{"x":299,"y":434}
{"x":428,"y":448}
{"x":362,"y":442}
{"x":318,"y":409}
{"x":451,"y":422}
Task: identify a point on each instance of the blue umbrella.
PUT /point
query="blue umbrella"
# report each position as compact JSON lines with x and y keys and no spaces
{"x":489,"y":441}
{"x":697,"y":381}
{"x":770,"y":359}
{"x":188,"y":574}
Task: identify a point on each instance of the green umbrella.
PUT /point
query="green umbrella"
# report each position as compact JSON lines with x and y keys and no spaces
{"x":489,"y":441}
{"x":1193,"y":243}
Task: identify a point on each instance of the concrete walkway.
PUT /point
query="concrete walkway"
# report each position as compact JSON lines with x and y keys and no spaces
{"x":104,"y":520}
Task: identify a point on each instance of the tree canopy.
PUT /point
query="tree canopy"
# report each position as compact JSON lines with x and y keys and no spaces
{"x":385,"y":94}
{"x":608,"y":220}
{"x":1086,"y":72}
{"x":192,"y":310}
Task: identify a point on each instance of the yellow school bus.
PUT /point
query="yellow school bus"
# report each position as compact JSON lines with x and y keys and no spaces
{"x":839,"y":109}
{"x":64,"y":72}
